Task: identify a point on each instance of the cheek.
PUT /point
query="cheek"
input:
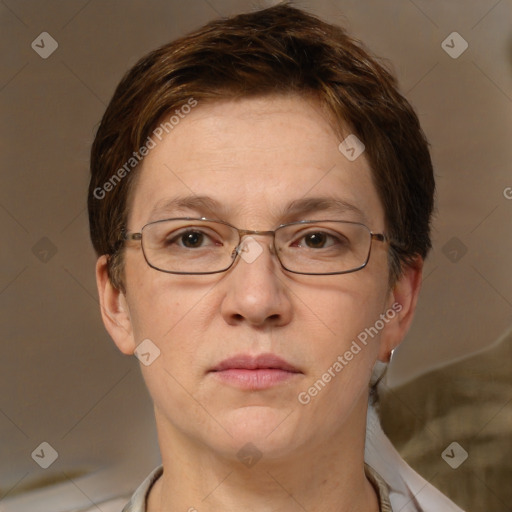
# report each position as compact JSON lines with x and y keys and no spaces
{"x":164,"y":313}
{"x":169,"y":310}
{"x":157,"y":301}
{"x":348,"y":305}
{"x":346,"y":344}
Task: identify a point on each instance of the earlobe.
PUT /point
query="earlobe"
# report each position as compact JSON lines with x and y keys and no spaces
{"x":402,"y":300}
{"x":114,"y":309}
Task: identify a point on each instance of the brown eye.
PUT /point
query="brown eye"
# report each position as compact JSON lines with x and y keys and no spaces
{"x":321,"y":240}
{"x":192,"y":239}
{"x":315,"y":240}
{"x":188,"y":239}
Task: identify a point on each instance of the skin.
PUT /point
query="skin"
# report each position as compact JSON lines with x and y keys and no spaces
{"x":254,"y":156}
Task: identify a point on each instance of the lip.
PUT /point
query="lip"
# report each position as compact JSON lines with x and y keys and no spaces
{"x":260,"y":362}
{"x":249,"y":372}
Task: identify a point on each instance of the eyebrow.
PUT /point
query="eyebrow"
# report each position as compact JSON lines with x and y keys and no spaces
{"x":309,"y":205}
{"x":204,"y":205}
{"x":295,"y":210}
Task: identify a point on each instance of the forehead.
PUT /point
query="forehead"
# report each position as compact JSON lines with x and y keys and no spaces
{"x":259,"y":160}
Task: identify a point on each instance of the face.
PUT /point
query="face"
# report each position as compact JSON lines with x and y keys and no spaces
{"x":253,"y":158}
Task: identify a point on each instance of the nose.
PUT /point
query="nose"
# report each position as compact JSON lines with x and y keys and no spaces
{"x":255,"y":290}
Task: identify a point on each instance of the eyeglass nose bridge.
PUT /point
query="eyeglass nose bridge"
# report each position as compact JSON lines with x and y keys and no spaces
{"x":245,"y":232}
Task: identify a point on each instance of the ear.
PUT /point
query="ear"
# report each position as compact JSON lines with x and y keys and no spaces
{"x":402,"y":300}
{"x":114,"y":310}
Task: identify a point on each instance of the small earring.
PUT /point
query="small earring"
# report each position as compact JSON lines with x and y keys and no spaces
{"x":390,"y":356}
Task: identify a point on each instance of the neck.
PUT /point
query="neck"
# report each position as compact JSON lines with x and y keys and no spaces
{"x":326,"y":477}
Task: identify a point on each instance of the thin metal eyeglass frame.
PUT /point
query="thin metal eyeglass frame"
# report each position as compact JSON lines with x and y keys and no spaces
{"x":380,"y":237}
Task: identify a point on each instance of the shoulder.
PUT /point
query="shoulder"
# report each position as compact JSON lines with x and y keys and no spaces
{"x":138,"y":501}
{"x":408,"y":491}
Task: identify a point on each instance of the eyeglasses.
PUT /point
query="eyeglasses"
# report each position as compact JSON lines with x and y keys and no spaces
{"x":204,"y":246}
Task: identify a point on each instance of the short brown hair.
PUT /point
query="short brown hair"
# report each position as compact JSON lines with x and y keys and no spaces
{"x":278,"y":50}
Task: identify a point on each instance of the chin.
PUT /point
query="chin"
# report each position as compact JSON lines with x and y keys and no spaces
{"x":267,"y":428}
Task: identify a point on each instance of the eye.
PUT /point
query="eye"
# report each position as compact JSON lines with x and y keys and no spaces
{"x":320,"y":240}
{"x":190,"y":239}
{"x":316,"y":240}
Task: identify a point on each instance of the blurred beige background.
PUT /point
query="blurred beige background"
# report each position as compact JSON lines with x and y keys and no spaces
{"x":63,"y":380}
